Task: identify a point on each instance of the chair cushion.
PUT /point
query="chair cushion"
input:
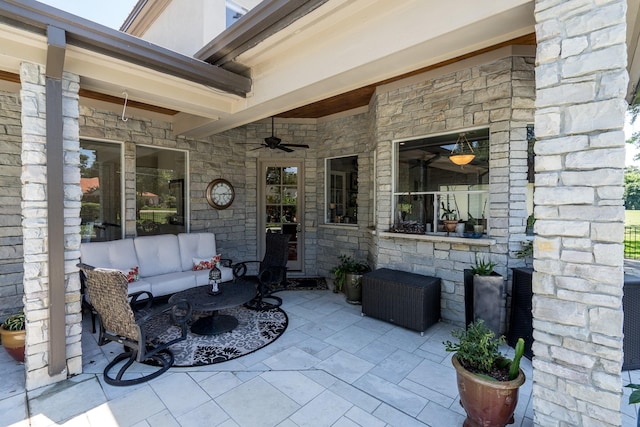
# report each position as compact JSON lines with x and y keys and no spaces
{"x":196,"y":245}
{"x":157,"y":255}
{"x":116,"y":254}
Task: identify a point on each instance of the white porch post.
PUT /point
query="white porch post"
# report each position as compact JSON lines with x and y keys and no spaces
{"x":581,"y":82}
{"x":34,"y":225}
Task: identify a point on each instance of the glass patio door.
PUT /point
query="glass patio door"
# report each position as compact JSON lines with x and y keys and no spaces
{"x":281,"y":206}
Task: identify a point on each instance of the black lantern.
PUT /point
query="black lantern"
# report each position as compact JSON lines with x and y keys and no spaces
{"x":215,"y":275}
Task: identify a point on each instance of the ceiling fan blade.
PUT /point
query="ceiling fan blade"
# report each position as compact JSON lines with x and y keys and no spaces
{"x":283,"y":148}
{"x":295,"y":145}
{"x":261,"y":146}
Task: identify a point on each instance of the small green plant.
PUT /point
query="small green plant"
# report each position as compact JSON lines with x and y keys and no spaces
{"x":15,"y":322}
{"x":531,"y":219}
{"x":483,"y":266}
{"x":478,"y":351}
{"x":347,"y":265}
{"x":635,"y":394}
{"x":448,"y":213}
{"x":526,"y":251}
{"x":471,"y":222}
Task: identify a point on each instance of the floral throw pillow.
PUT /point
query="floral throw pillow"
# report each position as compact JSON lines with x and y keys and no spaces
{"x":205,"y":264}
{"x":132,"y":274}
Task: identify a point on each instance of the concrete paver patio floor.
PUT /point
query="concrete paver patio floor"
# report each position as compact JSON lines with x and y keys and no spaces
{"x":332,"y":367}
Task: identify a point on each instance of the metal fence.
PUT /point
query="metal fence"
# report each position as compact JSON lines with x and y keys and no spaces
{"x":631,"y":242}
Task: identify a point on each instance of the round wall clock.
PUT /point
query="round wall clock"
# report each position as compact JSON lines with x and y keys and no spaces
{"x":220,"y":193}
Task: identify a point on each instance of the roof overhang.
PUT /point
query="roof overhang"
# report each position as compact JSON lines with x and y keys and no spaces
{"x":344,"y":45}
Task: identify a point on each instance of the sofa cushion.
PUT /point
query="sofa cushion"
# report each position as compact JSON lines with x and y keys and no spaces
{"x":116,"y":254}
{"x":166,"y":284}
{"x":157,"y":255}
{"x":196,"y":246}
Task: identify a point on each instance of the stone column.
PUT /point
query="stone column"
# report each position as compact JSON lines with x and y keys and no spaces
{"x":34,"y":225}
{"x":581,"y":81}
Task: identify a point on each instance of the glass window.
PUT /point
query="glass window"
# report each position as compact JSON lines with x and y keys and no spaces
{"x":101,"y":184}
{"x":160,"y":191}
{"x":341,"y":198}
{"x":430,"y":188}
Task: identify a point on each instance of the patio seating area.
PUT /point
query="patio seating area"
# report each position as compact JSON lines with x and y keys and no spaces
{"x":332,"y":367}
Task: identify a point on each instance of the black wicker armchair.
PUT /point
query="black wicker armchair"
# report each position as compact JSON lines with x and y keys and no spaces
{"x":107,"y":290}
{"x":272,"y":272}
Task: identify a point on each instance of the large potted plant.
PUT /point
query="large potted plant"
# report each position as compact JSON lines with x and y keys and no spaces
{"x":13,"y":336}
{"x":488,"y":382}
{"x":488,"y":291}
{"x":348,"y":274}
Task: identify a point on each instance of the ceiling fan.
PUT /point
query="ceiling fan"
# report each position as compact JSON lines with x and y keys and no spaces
{"x":274,"y":142}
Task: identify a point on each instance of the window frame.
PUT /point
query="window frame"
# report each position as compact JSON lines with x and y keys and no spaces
{"x":186,"y":187}
{"x":437,"y":194}
{"x":327,"y":185}
{"x":123,"y":198}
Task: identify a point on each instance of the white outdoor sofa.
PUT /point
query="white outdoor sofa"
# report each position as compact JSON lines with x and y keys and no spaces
{"x":165,"y":262}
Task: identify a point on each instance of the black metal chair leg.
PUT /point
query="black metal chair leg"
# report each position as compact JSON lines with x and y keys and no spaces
{"x":163,"y":359}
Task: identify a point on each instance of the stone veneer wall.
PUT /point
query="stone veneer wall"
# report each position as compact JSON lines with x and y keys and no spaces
{"x":345,"y":136}
{"x":34,"y":223}
{"x":292,"y":132}
{"x":581,"y":82}
{"x":211,"y":158}
{"x":497,"y":94}
{"x":11,"y":268}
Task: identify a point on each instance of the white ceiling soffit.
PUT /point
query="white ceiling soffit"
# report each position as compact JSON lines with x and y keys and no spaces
{"x":112,"y":76}
{"x":344,"y":45}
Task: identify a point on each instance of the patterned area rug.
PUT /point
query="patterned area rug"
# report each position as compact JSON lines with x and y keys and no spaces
{"x":255,"y":330}
{"x":304,"y":283}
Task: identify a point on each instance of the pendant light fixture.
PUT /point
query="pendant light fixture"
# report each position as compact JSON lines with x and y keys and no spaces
{"x":462,"y":153}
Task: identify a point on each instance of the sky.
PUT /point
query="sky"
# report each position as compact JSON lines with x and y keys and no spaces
{"x":110,"y":13}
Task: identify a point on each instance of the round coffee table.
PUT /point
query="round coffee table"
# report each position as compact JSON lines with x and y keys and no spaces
{"x":232,"y":294}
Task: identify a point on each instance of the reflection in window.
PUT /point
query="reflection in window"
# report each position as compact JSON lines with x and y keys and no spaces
{"x":160,"y":191}
{"x":281,"y":197}
{"x":341,"y":190}
{"x":101,"y":185}
{"x":429,"y":187}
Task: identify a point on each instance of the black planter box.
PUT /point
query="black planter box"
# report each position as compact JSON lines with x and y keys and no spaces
{"x":405,"y":299}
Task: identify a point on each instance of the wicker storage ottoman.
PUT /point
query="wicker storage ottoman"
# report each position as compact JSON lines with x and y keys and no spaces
{"x":406,"y":299}
{"x":631,"y":324}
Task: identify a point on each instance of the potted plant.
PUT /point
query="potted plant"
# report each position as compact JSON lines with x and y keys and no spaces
{"x":634,"y":398}
{"x":488,"y":382}
{"x":13,"y":336}
{"x":349,"y":274}
{"x":488,"y":290}
{"x":449,"y":218}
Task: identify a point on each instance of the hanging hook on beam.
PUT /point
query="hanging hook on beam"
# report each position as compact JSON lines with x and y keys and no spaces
{"x":124,"y":107}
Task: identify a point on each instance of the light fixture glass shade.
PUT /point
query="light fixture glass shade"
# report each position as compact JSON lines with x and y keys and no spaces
{"x":462,"y":159}
{"x":462,"y":153}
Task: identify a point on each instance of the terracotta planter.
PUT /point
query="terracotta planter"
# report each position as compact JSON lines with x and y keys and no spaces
{"x":450,"y":225}
{"x":487,"y":403}
{"x":13,"y":342}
